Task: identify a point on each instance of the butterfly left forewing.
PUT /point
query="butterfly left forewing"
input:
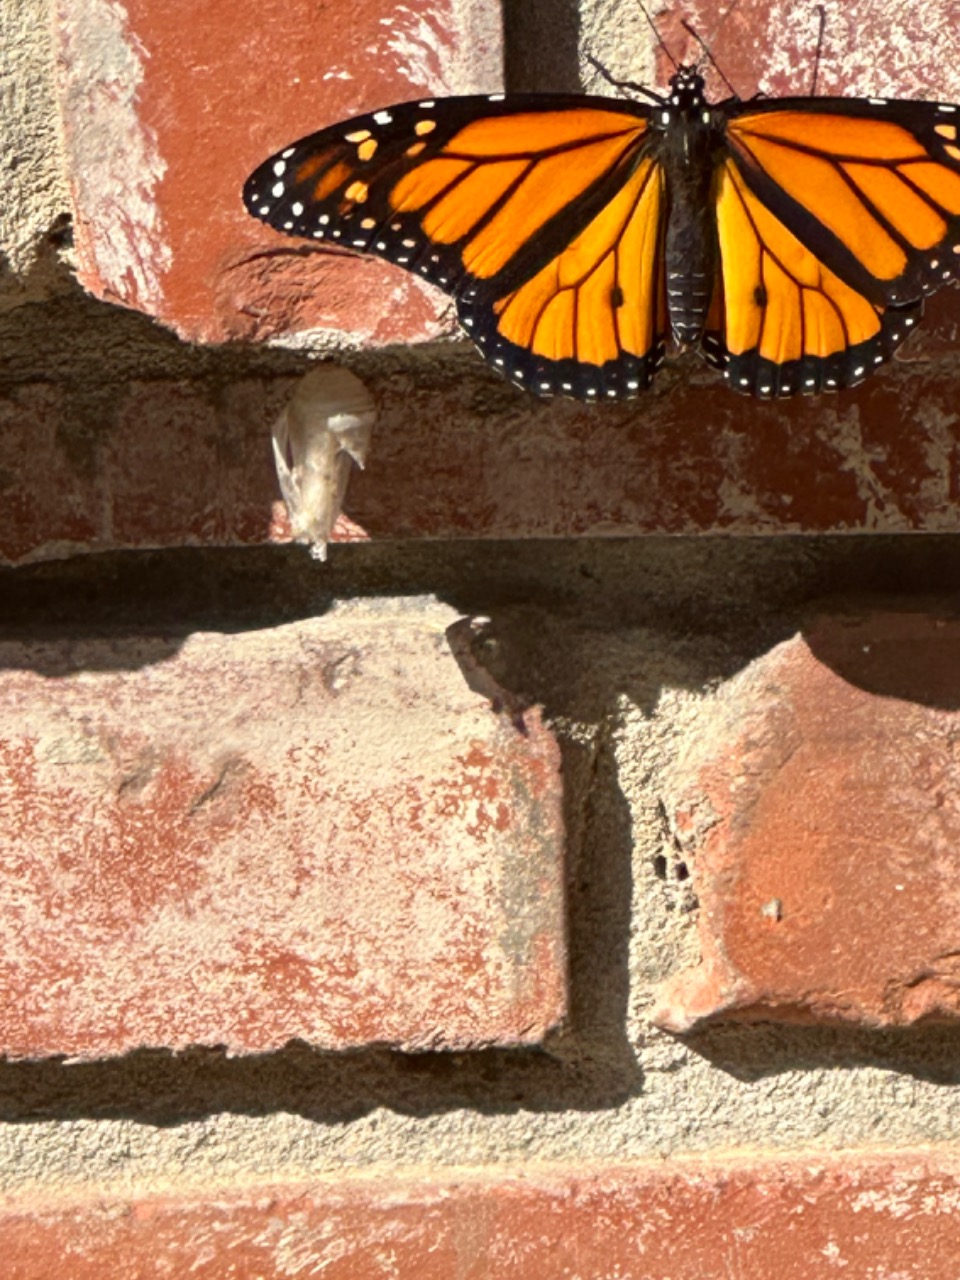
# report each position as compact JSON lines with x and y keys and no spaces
{"x":541,"y":214}
{"x":456,"y":189}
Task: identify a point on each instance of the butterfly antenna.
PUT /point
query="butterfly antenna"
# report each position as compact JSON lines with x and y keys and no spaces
{"x":660,"y":40}
{"x":712,"y":60}
{"x":816,"y":57}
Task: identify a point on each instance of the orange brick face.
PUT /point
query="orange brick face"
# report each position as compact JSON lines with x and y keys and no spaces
{"x":755,"y":1220}
{"x":819,"y":808}
{"x":245,"y":840}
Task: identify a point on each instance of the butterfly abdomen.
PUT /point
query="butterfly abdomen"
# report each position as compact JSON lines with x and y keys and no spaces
{"x":691,"y":266}
{"x":690,"y":250}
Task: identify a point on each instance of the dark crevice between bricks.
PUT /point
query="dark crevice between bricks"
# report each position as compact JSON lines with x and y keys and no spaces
{"x":71,"y":338}
{"x":671,"y":869}
{"x":555,"y":607}
{"x":756,"y":1051}
{"x":58,"y":334}
{"x":745,"y":592}
{"x":599,"y":896}
{"x":159,"y":1087}
{"x":541,"y":45}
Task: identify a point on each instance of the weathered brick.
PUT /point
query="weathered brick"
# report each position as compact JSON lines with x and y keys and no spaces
{"x":177,"y":462}
{"x":818,"y":804}
{"x":771,"y":48}
{"x":891,"y":1216}
{"x":164,"y":119}
{"x":317,"y":831}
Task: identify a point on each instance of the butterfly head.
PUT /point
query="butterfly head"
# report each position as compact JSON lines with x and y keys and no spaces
{"x":686,"y":89}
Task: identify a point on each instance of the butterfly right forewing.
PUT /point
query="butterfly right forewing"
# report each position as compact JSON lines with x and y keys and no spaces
{"x":872,"y":187}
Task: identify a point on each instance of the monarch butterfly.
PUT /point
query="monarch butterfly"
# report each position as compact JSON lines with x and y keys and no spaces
{"x":790,"y":241}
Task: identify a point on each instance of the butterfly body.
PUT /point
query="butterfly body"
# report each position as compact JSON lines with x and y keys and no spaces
{"x":687,"y":140}
{"x":790,"y":242}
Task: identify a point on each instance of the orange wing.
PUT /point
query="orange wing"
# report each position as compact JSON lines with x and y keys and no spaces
{"x":592,"y":321}
{"x":542,"y":215}
{"x":789,"y":324}
{"x":834,"y":218}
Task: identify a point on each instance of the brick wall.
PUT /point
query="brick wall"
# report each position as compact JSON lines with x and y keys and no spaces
{"x":559,"y":881}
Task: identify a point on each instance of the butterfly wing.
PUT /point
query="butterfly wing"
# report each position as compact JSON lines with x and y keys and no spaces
{"x":834,"y":218}
{"x":541,"y":214}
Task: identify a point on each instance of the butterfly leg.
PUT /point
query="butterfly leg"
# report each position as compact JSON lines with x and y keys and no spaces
{"x":623,"y":84}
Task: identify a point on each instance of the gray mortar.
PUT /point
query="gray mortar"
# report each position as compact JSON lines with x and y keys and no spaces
{"x":35,"y":203}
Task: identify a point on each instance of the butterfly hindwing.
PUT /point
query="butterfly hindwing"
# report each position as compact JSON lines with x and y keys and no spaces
{"x":834,"y":218}
{"x":591,"y":322}
{"x":787,"y":323}
{"x":541,"y":214}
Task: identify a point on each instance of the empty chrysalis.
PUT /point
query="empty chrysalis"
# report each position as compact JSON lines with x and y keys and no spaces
{"x":323,"y":431}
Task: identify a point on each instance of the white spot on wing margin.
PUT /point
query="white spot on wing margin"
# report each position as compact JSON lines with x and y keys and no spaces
{"x":114,"y":158}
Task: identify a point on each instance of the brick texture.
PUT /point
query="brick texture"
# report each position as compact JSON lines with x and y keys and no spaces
{"x":174,"y":462}
{"x":863,"y":1218}
{"x":819,"y":807}
{"x":342,"y":833}
{"x":164,"y":119}
{"x":317,"y":831}
{"x":177,"y":465}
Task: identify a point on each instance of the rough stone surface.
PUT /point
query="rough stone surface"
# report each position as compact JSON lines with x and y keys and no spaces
{"x":315,"y":832}
{"x":35,"y":203}
{"x":624,"y":641}
{"x":164,"y":119}
{"x":862,"y":1217}
{"x":818,"y":805}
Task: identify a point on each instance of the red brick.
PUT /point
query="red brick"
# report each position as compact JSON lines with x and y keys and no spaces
{"x":316,"y":831}
{"x":769,"y":46}
{"x":887,"y":1216}
{"x":162,"y":121}
{"x":198,"y":103}
{"x":176,"y":464}
{"x":818,"y":804}
{"x":51,"y":503}
{"x":165,"y":117}
{"x":190,"y":463}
